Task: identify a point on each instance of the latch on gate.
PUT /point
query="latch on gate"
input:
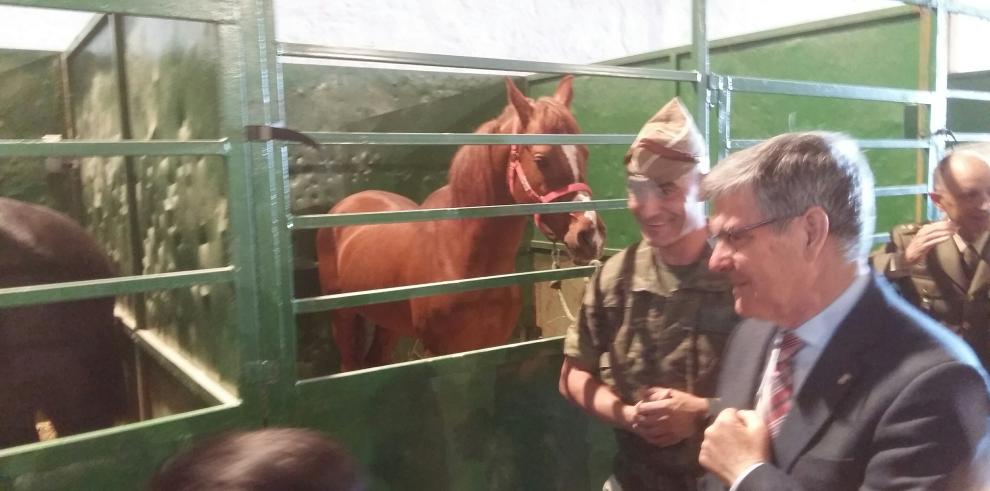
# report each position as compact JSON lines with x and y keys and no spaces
{"x":263,"y":133}
{"x":262,"y":371}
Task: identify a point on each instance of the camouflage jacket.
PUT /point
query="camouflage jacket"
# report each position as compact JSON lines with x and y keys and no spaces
{"x":645,"y":324}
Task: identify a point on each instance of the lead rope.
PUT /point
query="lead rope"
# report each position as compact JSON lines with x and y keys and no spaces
{"x":558,"y":284}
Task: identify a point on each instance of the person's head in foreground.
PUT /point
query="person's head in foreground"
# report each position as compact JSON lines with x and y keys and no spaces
{"x":284,"y":459}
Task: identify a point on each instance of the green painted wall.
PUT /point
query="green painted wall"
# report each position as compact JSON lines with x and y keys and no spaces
{"x":880,"y":53}
{"x":172,"y":93}
{"x":31,"y":107}
{"x":969,"y":116}
{"x":170,"y":71}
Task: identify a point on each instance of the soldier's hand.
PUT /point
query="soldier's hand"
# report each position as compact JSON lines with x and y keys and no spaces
{"x":667,"y":416}
{"x":928,"y":236}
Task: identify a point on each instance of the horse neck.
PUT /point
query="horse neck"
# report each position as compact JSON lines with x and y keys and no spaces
{"x":478,"y":178}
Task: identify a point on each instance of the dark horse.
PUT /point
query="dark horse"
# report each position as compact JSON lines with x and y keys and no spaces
{"x":366,"y":257}
{"x":56,"y":359}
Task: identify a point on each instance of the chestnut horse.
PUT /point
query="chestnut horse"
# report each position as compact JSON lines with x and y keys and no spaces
{"x":366,"y":257}
{"x":56,"y":359}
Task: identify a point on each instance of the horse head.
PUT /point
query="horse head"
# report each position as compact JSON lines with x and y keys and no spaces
{"x":553,"y":173}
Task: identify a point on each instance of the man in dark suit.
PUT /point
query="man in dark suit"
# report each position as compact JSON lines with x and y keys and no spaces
{"x":836,"y":382}
{"x":941,"y":267}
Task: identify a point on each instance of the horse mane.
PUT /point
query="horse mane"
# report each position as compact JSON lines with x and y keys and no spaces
{"x":477,"y":175}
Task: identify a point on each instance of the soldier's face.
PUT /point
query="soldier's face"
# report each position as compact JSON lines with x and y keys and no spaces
{"x":665,"y":212}
{"x":964,"y":195}
{"x":764,"y":265}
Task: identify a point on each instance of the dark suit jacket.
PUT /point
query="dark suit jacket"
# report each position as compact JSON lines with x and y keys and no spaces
{"x":939,"y":287}
{"x":895,"y":401}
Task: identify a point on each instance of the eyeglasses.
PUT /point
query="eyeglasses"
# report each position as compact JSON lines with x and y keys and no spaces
{"x":733,"y":237}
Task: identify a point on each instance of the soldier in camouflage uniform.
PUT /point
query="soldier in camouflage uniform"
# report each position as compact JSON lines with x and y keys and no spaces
{"x":941,"y":267}
{"x":654,"y":319}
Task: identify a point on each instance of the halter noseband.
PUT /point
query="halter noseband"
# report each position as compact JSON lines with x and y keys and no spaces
{"x":515,"y":172}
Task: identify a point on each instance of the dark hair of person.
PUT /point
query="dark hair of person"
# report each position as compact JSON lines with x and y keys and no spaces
{"x":269,"y":459}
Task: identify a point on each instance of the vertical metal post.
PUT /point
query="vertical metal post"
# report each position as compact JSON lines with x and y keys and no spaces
{"x":724,"y":116}
{"x":261,"y":249}
{"x":938,"y":114}
{"x":116,"y":27}
{"x":699,"y":52}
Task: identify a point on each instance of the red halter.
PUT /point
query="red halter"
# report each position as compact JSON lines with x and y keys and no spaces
{"x":515,"y":172}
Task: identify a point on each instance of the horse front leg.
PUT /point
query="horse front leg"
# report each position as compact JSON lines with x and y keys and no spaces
{"x":382,"y":346}
{"x":349,"y":336}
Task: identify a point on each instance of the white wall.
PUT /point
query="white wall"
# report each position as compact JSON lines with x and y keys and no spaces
{"x":41,"y":29}
{"x":566,"y":31}
{"x":969,"y":40}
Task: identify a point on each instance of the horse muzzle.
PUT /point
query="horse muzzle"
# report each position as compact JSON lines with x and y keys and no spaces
{"x":585,"y":239}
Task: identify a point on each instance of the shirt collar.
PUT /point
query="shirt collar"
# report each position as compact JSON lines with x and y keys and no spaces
{"x":818,"y":330}
{"x":654,"y":276}
{"x":978,"y":244}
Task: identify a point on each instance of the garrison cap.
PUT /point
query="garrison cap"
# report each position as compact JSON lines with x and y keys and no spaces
{"x":668,"y":146}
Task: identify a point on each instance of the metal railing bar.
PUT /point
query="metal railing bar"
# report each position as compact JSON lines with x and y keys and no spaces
{"x":972,"y":137}
{"x":303,"y":222}
{"x":368,"y":138}
{"x":108,"y":148}
{"x":499,"y":64}
{"x":873,"y":144}
{"x":384,"y":295}
{"x":192,"y":376}
{"x":543,"y":246}
{"x":815,"y":89}
{"x":971,"y":95}
{"x":881,"y":238}
{"x":219,"y":11}
{"x":80,"y":290}
{"x":904,"y":190}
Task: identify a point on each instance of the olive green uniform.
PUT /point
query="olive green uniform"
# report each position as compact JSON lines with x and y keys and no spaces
{"x":646,"y":324}
{"x":938,"y":285}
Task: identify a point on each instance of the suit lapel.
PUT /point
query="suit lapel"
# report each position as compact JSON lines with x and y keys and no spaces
{"x":829,"y":381}
{"x":981,"y":277}
{"x":747,"y":371}
{"x":949,"y":261}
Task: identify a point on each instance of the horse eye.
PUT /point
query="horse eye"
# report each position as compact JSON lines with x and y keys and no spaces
{"x":541,"y":160}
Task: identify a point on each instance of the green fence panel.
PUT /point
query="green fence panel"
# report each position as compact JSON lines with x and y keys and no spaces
{"x":121,"y":458}
{"x":490,"y":419}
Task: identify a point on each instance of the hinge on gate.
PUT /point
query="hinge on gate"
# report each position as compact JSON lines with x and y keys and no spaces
{"x":946,"y":132}
{"x":263,"y":132}
{"x":263,"y":372}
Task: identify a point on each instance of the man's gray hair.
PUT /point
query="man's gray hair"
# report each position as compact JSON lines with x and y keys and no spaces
{"x":790,"y":173}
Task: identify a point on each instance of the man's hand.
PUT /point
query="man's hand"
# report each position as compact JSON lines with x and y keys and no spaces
{"x":735,"y":441}
{"x":928,"y":237}
{"x":667,"y":416}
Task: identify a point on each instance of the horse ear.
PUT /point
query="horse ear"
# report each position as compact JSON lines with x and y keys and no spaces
{"x":565,"y":90}
{"x":519,"y":101}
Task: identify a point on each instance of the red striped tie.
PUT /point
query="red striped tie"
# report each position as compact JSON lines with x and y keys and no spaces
{"x":782,"y":384}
